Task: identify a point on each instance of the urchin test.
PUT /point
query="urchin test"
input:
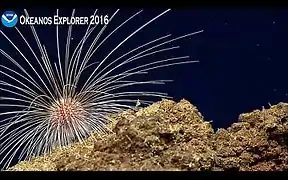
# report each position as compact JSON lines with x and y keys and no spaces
{"x":60,"y":20}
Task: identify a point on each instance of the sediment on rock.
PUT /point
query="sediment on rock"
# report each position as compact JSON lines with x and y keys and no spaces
{"x":174,"y":136}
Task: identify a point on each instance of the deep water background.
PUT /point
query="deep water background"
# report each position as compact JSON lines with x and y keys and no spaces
{"x":242,"y":53}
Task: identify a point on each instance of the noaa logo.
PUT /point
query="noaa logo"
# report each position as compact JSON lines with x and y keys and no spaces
{"x":9,"y":19}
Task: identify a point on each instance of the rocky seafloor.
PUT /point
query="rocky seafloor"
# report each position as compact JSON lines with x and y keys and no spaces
{"x":170,"y":136}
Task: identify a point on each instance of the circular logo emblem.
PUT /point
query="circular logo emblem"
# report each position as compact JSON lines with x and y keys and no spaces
{"x":9,"y":19}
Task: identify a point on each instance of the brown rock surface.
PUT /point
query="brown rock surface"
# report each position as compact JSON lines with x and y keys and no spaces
{"x":175,"y":136}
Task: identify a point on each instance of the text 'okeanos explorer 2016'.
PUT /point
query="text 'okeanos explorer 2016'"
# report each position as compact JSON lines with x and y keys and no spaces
{"x":59,"y":20}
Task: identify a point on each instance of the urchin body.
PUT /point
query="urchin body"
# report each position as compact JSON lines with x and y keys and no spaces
{"x":66,"y":111}
{"x":56,"y":115}
{"x":69,"y":121}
